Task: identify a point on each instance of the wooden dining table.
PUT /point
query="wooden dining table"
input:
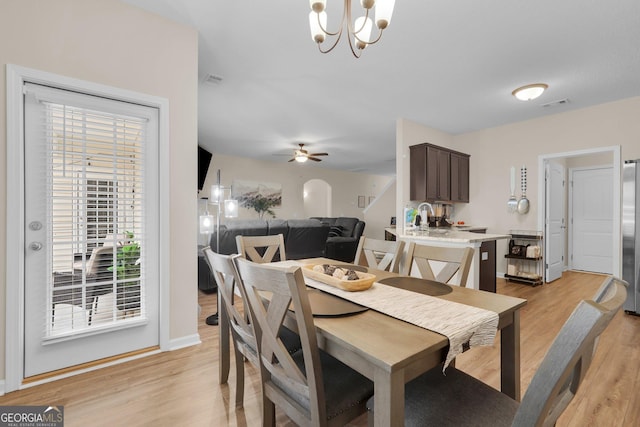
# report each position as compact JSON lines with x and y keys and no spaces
{"x":392,"y":352}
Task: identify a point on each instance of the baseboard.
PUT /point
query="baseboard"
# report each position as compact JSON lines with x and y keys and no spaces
{"x":182,"y":342}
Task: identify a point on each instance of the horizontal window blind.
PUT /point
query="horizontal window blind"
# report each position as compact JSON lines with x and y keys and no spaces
{"x":95,"y":210}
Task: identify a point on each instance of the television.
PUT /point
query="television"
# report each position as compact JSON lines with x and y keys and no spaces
{"x":204,"y":159}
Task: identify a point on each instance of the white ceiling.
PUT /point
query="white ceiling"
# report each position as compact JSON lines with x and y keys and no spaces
{"x":449,"y":65}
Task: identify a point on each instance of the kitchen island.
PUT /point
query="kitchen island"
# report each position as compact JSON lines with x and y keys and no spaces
{"x":482,"y":274}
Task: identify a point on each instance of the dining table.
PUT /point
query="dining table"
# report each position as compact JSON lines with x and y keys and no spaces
{"x":391,"y":351}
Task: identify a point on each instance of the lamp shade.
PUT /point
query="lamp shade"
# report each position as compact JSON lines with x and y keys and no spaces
{"x":317,"y":32}
{"x":363,"y":31}
{"x":231,"y":208}
{"x":216,"y":194}
{"x":206,"y":224}
{"x":384,"y":10}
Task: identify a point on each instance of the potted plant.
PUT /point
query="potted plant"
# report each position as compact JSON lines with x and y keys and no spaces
{"x":128,"y":267}
{"x":262,"y":205}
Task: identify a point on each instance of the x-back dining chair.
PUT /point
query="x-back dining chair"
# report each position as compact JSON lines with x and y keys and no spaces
{"x":379,"y":254}
{"x":244,"y":342}
{"x":310,"y":386}
{"x":261,"y":249}
{"x":456,"y":260}
{"x":458,"y":399}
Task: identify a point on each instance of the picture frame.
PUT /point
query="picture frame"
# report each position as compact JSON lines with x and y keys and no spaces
{"x":361,"y":201}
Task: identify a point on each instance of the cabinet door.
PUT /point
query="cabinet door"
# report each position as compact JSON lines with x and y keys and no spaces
{"x":459,"y":178}
{"x":432,"y":189}
{"x":444,"y":173}
{"x":418,"y":172}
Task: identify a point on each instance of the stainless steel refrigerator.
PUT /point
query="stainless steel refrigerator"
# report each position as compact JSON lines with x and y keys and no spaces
{"x":631,"y":233}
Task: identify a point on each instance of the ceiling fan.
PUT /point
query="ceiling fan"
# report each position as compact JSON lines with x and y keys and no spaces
{"x":301,"y":155}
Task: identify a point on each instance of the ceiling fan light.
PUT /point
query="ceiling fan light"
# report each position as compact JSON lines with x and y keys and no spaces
{"x":363,"y":35}
{"x":317,"y":32}
{"x":317,"y":5}
{"x":384,"y":10}
{"x":301,"y":158}
{"x":530,"y":92}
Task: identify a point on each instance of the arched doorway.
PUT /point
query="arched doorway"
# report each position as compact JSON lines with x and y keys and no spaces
{"x":317,"y":198}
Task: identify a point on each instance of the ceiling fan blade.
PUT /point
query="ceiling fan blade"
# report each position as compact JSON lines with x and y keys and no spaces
{"x":314,"y":159}
{"x":291,"y":160}
{"x":319,"y":154}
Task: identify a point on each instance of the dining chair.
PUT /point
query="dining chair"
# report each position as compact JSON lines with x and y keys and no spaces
{"x":262,"y":249}
{"x":379,"y":254}
{"x":244,"y":342}
{"x":458,"y":399}
{"x":456,"y":260}
{"x":310,"y":386}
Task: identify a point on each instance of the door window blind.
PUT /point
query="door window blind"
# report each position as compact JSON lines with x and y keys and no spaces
{"x":95,"y":192}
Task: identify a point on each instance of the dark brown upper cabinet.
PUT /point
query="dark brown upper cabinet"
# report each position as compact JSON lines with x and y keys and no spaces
{"x":459,"y":177}
{"x":438,"y":174}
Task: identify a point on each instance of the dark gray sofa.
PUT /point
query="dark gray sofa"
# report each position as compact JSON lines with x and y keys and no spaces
{"x":344,"y":235}
{"x":303,"y":238}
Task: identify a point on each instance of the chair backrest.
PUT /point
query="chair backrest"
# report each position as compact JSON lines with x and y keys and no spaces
{"x":261,"y":249}
{"x":299,"y":391}
{"x":99,"y":262}
{"x":454,"y":259}
{"x":564,"y":366}
{"x":379,"y":254}
{"x":225,"y":274}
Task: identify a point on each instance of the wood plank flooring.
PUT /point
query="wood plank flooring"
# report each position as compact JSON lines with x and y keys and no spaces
{"x":180,"y":388}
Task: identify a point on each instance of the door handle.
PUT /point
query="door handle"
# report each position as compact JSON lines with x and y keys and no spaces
{"x":35,"y":246}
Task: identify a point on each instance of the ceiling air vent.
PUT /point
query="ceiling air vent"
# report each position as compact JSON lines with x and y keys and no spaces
{"x":556,"y":103}
{"x":212,"y":79}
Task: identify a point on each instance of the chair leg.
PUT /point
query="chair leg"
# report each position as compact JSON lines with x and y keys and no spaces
{"x":239,"y":379}
{"x":268,"y":411}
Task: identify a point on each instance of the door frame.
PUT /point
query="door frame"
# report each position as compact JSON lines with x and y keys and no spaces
{"x":615,"y":150}
{"x":14,"y":328}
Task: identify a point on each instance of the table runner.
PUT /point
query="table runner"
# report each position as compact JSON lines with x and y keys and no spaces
{"x":460,"y":323}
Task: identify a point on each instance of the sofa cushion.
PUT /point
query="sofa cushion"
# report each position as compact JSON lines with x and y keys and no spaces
{"x":306,"y":238}
{"x":335,"y":231}
{"x":278,"y":226}
{"x":347,"y":224}
{"x":229,"y":231}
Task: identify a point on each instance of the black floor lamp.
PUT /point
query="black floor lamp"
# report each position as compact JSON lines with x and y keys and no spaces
{"x":207,"y":225}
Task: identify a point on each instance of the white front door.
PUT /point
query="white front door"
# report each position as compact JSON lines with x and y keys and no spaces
{"x":91,"y":261}
{"x":592,"y":219}
{"x":554,"y":222}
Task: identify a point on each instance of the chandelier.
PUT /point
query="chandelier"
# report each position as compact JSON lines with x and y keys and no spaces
{"x":359,"y":32}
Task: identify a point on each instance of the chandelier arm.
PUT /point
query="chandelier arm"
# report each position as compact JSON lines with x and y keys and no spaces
{"x":371,"y":42}
{"x":327,"y":32}
{"x":364,"y":22}
{"x":335,"y":43}
{"x":347,"y":7}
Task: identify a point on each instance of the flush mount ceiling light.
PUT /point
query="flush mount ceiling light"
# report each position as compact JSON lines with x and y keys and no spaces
{"x":359,"y":32}
{"x":529,"y":92}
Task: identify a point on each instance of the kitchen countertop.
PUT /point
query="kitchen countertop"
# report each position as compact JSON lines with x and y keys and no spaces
{"x":452,"y":235}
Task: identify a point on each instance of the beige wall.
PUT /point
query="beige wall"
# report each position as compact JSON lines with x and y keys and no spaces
{"x":110,"y":43}
{"x":345,"y":187}
{"x":493,"y":151}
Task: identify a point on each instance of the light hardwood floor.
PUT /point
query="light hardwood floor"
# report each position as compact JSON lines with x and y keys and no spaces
{"x":180,"y":388}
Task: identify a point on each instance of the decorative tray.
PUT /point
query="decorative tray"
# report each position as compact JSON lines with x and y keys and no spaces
{"x":364,"y":281}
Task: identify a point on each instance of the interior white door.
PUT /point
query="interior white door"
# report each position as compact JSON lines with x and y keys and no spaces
{"x":91,"y":262}
{"x":554,"y":220}
{"x":592,"y":219}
